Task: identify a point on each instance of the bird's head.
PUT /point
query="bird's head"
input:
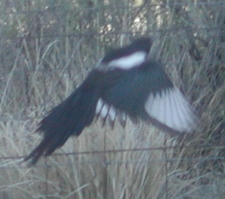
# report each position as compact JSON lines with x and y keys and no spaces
{"x":129,"y":56}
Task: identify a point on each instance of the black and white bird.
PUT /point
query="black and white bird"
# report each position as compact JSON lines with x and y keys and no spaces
{"x":125,"y":83}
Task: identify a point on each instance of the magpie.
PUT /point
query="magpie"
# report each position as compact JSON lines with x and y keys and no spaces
{"x":125,"y":83}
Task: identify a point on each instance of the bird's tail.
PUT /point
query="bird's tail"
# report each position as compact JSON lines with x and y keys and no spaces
{"x":68,"y":118}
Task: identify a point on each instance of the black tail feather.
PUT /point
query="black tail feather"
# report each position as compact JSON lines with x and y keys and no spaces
{"x":67,"y":119}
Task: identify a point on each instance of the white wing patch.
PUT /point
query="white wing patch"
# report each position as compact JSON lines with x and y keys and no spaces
{"x":107,"y":111}
{"x":171,"y":109}
{"x":112,"y":113}
{"x":99,"y":107}
{"x":129,"y":61}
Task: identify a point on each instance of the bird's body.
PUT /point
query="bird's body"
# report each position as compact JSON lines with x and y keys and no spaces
{"x":124,"y":84}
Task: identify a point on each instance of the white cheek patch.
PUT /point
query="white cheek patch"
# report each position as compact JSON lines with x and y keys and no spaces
{"x":171,"y":109}
{"x":129,"y":61}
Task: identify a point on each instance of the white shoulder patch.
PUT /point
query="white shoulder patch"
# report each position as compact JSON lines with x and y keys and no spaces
{"x":171,"y":109}
{"x":129,"y":61}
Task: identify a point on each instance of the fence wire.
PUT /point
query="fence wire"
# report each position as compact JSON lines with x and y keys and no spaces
{"x":38,"y":58}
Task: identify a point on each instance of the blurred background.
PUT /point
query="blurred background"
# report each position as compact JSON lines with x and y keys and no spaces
{"x":47,"y":49}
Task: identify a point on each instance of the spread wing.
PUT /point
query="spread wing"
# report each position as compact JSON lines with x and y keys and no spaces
{"x":146,"y":92}
{"x":143,"y":92}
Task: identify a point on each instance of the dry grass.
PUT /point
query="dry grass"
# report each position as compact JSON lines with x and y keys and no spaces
{"x":38,"y":71}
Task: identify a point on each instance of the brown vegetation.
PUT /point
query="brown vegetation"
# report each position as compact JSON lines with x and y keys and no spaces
{"x":47,"y":49}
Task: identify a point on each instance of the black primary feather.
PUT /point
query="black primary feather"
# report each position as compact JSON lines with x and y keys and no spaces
{"x":68,"y":118}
